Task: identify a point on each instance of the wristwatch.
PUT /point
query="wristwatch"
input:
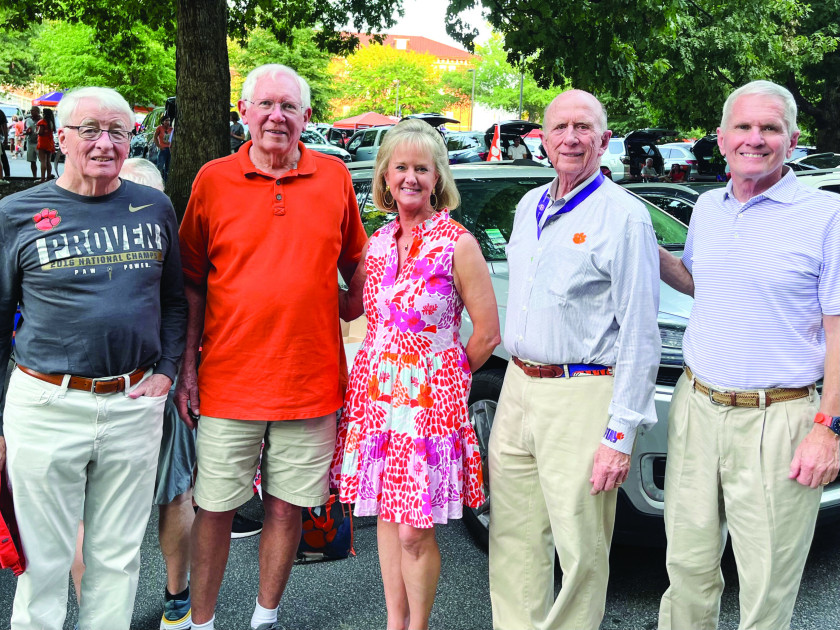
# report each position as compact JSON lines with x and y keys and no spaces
{"x":832,"y":422}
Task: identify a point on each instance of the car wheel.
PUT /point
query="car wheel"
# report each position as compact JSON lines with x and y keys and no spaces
{"x":484,"y":397}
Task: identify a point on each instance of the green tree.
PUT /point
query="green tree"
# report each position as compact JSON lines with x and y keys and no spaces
{"x":69,"y":57}
{"x":375,"y":78}
{"x":200,"y":29}
{"x":682,"y":57}
{"x":497,"y":82}
{"x":17,"y":59}
{"x":303,"y":54}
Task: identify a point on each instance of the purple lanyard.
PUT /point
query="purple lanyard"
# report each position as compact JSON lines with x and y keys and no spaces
{"x":578,"y":199}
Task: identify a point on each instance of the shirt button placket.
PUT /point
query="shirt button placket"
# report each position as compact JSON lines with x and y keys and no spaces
{"x":279,"y":203}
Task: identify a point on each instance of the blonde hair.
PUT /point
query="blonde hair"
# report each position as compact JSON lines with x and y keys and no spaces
{"x":421,"y":135}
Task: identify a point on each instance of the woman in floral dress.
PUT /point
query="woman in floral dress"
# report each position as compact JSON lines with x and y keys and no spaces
{"x":406,"y":451}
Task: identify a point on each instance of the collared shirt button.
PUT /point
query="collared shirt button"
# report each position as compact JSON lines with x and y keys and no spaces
{"x":524,"y":308}
{"x":530,"y":278}
{"x":539,"y":250}
{"x":519,"y":337}
{"x":281,"y":211}
{"x":279,"y":197}
{"x":278,"y":182}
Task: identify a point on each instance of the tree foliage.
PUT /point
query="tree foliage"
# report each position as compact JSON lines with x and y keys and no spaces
{"x":69,"y":57}
{"x":368,"y":81}
{"x":200,"y":29}
{"x":302,"y":54}
{"x":497,"y":82}
{"x":680,"y":56}
{"x":17,"y":59}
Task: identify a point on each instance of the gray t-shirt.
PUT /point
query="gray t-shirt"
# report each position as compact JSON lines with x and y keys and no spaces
{"x":98,"y":280}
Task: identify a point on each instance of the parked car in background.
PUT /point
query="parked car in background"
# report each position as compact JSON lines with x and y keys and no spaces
{"x":817,"y":161}
{"x":365,"y":143}
{"x":824,"y":179}
{"x":338,"y":137}
{"x":11,"y":110}
{"x":313,"y":140}
{"x":676,"y":199}
{"x":626,"y":156}
{"x":802,"y":151}
{"x":678,"y":153}
{"x":508,"y":130}
{"x":466,"y":146}
{"x":143,"y":144}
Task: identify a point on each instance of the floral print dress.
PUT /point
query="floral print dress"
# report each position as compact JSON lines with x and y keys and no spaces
{"x":406,"y":450}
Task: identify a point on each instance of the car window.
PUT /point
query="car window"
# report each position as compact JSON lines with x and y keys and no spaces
{"x":488,"y":207}
{"x":311,"y":137}
{"x":372,"y":217}
{"x":616,"y":147}
{"x":368,"y":138}
{"x":831,"y":160}
{"x":670,"y":233}
{"x":382,"y":135}
{"x":835,"y":188}
{"x":355,"y":142}
{"x":679,"y":208}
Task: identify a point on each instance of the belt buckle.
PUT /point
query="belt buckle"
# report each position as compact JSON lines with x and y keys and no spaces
{"x":100,"y":379}
{"x":712,"y":398}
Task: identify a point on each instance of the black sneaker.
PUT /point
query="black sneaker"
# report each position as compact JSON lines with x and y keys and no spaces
{"x":243,"y":527}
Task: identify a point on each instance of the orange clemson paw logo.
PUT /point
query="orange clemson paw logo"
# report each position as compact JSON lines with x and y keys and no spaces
{"x":46,"y":219}
{"x":579,"y":238}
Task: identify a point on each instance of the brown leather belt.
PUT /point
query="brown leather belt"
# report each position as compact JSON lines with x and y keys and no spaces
{"x":748,"y":398}
{"x":108,"y":385}
{"x":561,"y":371}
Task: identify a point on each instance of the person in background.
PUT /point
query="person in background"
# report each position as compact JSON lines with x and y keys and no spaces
{"x":46,"y":144}
{"x":406,"y":451}
{"x":237,"y":133}
{"x":20,"y":136}
{"x":5,"y":169}
{"x":649,"y":173}
{"x":676,"y":174}
{"x":31,"y":131}
{"x":751,"y":443}
{"x":518,"y":151}
{"x":163,"y":141}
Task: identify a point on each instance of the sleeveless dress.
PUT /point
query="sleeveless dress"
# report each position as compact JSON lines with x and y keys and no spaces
{"x":406,"y":450}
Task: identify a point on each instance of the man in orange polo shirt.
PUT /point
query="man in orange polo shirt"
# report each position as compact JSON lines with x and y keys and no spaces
{"x":264,"y":232}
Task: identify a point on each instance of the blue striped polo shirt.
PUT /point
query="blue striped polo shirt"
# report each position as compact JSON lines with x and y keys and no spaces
{"x":764,"y":273}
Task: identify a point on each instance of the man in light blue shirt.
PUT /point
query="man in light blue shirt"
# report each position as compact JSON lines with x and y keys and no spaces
{"x":750,"y":442}
{"x":581,"y":327}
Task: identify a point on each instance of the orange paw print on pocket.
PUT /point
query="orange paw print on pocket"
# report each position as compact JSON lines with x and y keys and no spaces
{"x":579,"y":238}
{"x":46,"y":219}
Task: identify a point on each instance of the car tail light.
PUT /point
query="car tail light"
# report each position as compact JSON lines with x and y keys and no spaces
{"x":691,"y":162}
{"x":482,"y":155}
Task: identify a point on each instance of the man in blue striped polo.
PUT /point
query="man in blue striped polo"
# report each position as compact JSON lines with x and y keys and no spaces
{"x":750,"y":441}
{"x":581,"y":330}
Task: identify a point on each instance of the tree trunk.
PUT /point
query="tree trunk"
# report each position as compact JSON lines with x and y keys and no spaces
{"x":203,"y":94}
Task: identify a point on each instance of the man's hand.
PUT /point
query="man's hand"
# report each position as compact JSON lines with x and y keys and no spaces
{"x":186,"y":396}
{"x":2,"y":452}
{"x":817,"y":458}
{"x":155,"y":385}
{"x":610,"y":469}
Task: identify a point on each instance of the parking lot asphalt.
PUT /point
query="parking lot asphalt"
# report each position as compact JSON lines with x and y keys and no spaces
{"x":347,"y":594}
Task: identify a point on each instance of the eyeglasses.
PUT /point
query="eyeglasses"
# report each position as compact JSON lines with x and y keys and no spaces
{"x":288,"y":108}
{"x":118,"y":136}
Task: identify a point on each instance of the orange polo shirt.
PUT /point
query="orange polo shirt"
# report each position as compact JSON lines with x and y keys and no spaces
{"x":268,"y":250}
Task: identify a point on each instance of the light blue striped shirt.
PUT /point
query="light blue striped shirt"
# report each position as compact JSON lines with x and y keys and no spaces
{"x":764,"y":273}
{"x":587,"y":291}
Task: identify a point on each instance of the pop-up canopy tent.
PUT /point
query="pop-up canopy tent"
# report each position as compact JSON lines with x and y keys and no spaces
{"x":48,"y":100}
{"x":363,"y":121}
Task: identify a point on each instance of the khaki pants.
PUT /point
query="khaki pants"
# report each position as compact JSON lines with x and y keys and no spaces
{"x":73,"y":454}
{"x":728,"y":470}
{"x":542,"y":446}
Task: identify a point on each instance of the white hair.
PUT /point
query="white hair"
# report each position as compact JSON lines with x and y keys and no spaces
{"x":107,"y":99}
{"x":274,"y":70}
{"x":142,"y":171}
{"x":764,"y":88}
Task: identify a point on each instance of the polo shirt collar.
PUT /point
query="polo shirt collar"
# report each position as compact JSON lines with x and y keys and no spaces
{"x":554,"y":186}
{"x":783,"y":191}
{"x":306,"y":163}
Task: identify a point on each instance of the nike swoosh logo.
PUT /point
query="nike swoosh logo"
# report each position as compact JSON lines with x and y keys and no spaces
{"x":136,"y":208}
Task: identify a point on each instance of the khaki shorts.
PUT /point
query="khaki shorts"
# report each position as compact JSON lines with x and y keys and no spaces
{"x":295,"y":461}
